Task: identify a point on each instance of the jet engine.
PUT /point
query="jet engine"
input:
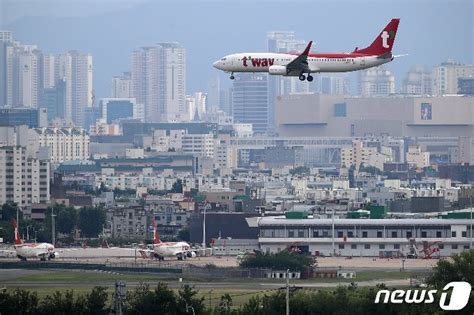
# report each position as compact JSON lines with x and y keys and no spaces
{"x":191,"y":254}
{"x":277,"y":70}
{"x":53,"y":255}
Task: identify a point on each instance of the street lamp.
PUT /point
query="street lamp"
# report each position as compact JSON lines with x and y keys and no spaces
{"x":53,"y":228}
{"x":206,"y":206}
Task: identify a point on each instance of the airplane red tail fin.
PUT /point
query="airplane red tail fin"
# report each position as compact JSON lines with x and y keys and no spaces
{"x":156,"y":236}
{"x":383,"y":43}
{"x":18,"y":240}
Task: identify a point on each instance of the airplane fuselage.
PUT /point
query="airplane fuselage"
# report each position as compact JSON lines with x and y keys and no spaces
{"x":35,"y":250}
{"x":171,"y":249}
{"x":330,"y":62}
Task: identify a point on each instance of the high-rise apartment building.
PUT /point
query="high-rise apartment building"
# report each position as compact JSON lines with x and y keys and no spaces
{"x":213,"y":93}
{"x":48,"y":68}
{"x":65,"y":144}
{"x":418,"y":81}
{"x":250,"y":100}
{"x":122,"y":86}
{"x":159,"y":81}
{"x":446,"y":75}
{"x":5,"y":39}
{"x":376,"y":82}
{"x":24,"y":180}
{"x":54,"y":100}
{"x":76,"y":70}
{"x":23,"y":74}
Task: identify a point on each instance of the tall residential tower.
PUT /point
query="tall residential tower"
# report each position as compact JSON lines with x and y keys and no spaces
{"x":159,"y":81}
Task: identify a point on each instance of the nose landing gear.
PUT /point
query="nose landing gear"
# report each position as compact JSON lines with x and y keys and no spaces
{"x":232,"y":76}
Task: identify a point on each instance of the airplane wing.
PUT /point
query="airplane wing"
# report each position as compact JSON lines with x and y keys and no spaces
{"x":300,"y":63}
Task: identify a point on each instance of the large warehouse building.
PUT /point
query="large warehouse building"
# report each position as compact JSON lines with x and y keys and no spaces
{"x":319,"y":115}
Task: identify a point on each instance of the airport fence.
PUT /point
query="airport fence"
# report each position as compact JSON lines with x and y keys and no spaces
{"x":205,"y":272}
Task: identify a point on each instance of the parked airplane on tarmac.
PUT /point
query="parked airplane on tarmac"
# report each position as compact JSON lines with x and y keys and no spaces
{"x":291,"y":64}
{"x":24,"y":250}
{"x":160,"y":249}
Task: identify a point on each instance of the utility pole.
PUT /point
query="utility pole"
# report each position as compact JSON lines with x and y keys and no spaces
{"x":118,"y":298}
{"x":204,"y":227}
{"x":333,"y":248}
{"x":470,"y":199}
{"x":287,"y":291}
{"x":53,"y":228}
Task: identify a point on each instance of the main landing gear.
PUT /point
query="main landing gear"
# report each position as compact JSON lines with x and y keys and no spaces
{"x":302,"y":77}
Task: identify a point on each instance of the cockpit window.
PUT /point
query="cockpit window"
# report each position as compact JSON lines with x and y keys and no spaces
{"x":223,"y":59}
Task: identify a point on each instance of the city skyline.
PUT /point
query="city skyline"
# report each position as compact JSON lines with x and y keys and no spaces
{"x":151,"y":25}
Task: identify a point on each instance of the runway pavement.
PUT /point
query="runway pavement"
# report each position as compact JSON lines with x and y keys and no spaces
{"x":121,"y":255}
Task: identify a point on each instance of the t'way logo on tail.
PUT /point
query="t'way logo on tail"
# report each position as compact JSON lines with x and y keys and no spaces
{"x":156,"y":237}
{"x":18,"y":240}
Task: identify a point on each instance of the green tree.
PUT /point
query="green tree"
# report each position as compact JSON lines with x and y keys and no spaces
{"x":6,"y":231}
{"x":460,"y":268}
{"x":95,"y":302}
{"x":177,"y":186}
{"x":187,"y":299}
{"x":18,"y":301}
{"x":144,"y":301}
{"x":9,"y":210}
{"x":66,"y":218}
{"x":184,"y":235}
{"x":62,"y":303}
{"x":253,"y":306}
{"x":91,"y":220}
{"x":369,"y":169}
{"x":300,"y":170}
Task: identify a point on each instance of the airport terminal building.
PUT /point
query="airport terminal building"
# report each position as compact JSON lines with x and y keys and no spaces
{"x":365,"y":237}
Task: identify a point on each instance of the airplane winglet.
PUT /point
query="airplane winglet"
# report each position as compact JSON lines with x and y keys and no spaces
{"x":306,"y":51}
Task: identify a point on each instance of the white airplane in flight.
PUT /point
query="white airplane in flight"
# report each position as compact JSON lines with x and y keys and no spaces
{"x":24,"y":250}
{"x":180,"y":250}
{"x":291,"y":64}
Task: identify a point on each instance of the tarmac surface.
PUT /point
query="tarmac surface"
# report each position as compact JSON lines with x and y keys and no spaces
{"x":7,"y":279}
{"x":119,"y":256}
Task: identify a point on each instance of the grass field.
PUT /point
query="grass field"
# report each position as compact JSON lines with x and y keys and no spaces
{"x":84,"y":281}
{"x":85,"y":276}
{"x":98,"y":277}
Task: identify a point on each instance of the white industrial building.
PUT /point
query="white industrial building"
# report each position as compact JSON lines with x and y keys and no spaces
{"x":364,"y":237}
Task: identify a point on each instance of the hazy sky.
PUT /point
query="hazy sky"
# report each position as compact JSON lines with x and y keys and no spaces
{"x":430,"y":31}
